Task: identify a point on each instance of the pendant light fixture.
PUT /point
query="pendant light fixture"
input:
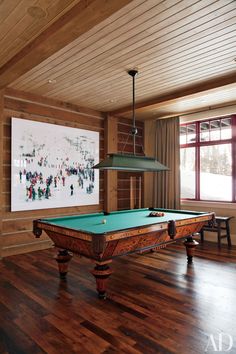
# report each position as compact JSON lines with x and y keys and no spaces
{"x":131,"y":162}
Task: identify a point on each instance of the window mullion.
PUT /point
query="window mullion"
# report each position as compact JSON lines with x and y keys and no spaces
{"x":198,"y":161}
{"x":234,"y":158}
{"x":218,"y":167}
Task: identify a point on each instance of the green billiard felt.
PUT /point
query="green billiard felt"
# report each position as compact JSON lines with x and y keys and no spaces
{"x":119,"y":220}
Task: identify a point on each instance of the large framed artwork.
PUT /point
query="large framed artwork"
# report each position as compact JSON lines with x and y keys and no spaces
{"x":52,"y":166}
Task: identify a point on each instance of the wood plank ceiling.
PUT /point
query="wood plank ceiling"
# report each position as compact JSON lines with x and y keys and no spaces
{"x":22,"y":21}
{"x":185,"y":52}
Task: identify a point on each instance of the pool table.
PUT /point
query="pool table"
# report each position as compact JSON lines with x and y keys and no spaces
{"x":104,"y":236}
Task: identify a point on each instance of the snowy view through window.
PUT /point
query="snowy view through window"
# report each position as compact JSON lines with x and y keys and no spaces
{"x":52,"y":166}
{"x":215,"y":161}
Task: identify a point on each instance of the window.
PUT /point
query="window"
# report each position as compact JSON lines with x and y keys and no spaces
{"x":208,"y":160}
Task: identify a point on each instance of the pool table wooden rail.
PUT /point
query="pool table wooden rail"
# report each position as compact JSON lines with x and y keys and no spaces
{"x":103,"y":247}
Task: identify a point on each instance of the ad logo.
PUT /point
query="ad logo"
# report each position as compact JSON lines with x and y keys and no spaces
{"x":223,"y":342}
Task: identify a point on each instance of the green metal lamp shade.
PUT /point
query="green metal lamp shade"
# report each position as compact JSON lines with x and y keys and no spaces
{"x":123,"y":162}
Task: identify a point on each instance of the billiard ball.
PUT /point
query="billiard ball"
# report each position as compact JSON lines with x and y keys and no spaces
{"x":156,"y":213}
{"x":104,"y":221}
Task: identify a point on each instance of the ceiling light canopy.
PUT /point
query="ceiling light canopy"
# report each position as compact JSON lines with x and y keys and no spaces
{"x":125,"y":162}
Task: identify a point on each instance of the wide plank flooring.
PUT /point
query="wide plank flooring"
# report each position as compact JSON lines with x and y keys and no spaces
{"x":156,"y":304}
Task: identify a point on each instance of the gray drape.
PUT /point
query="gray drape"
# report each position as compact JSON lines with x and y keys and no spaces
{"x":167,"y":184}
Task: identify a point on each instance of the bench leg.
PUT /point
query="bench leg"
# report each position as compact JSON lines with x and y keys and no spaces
{"x":202,"y":235}
{"x":219,"y":234}
{"x":228,"y":234}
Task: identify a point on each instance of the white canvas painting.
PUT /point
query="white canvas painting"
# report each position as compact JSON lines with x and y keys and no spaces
{"x":52,"y":166}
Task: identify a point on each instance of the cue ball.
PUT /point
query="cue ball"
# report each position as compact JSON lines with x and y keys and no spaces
{"x":104,"y":221}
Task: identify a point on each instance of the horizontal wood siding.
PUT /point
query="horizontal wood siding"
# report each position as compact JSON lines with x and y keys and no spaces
{"x":17,"y":236}
{"x":1,"y":169}
{"x":125,"y":144}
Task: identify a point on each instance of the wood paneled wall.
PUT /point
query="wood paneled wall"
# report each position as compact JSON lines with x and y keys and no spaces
{"x":150,"y":147}
{"x":1,"y":165}
{"x":16,"y":227}
{"x":123,"y":180}
{"x":110,"y":177}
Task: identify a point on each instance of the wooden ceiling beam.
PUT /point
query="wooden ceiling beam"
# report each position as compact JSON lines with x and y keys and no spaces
{"x":173,"y":97}
{"x":81,"y":18}
{"x":51,"y":102}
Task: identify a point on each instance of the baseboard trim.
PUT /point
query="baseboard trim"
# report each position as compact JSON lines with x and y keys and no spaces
{"x":25,"y":248}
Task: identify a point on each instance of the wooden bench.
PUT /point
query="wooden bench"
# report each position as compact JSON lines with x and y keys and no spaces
{"x":220,"y":225}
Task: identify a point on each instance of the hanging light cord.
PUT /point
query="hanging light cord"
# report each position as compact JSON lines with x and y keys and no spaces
{"x":134,"y":129}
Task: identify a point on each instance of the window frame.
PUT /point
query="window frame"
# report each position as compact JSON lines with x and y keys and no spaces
{"x":197,"y":144}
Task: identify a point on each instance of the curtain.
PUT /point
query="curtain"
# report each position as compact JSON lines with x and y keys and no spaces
{"x":167,"y":184}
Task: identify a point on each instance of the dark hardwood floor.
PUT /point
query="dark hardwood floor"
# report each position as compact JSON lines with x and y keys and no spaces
{"x":156,"y":304}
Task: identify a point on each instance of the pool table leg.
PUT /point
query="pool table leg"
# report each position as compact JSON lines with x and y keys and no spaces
{"x":63,"y":258}
{"x":190,"y":245}
{"x":101,"y":272}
